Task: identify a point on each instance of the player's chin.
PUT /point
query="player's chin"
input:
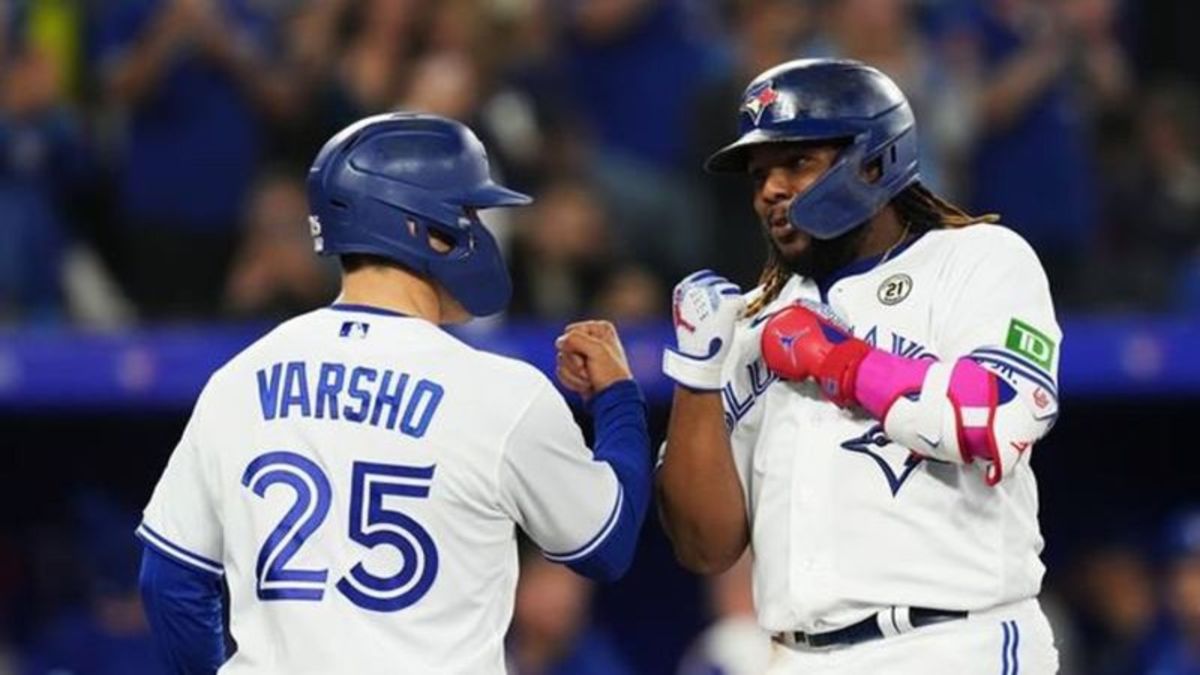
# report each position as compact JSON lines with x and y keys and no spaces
{"x":793,"y":245}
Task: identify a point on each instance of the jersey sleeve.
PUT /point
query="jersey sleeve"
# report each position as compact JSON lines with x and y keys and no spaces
{"x":1000,"y":314}
{"x":180,"y":521}
{"x":550,"y":484}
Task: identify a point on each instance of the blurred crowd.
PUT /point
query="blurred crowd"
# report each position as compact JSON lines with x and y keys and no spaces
{"x":153,"y":152}
{"x":1126,"y":606}
{"x":152,"y":164}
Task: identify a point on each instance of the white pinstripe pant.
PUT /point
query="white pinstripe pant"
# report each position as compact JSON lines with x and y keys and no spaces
{"x":1012,"y":639}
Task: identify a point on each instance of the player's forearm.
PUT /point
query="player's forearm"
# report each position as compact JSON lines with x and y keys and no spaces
{"x":953,"y":412}
{"x":183,"y":607}
{"x":700,"y":498}
{"x":623,"y":442}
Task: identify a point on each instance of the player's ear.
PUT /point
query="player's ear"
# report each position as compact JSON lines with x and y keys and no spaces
{"x":873,"y":170}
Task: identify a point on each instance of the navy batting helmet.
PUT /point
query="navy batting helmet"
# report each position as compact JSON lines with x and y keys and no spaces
{"x":831,"y":100}
{"x":383,"y":184}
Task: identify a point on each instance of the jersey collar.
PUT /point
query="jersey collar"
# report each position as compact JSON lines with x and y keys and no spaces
{"x":366,"y":309}
{"x":862,"y":267}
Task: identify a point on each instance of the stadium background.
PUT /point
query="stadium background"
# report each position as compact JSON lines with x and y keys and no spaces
{"x":152,"y":222}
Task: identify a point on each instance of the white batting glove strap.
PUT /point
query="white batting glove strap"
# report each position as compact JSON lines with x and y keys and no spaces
{"x":705,"y":307}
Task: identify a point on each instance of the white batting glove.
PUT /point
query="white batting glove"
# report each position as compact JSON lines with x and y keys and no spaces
{"x":705,"y":307}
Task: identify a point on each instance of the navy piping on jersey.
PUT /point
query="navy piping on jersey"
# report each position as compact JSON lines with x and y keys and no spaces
{"x":1001,"y":354}
{"x":177,"y":552}
{"x":367,"y":309}
{"x":1033,"y":376}
{"x":862,"y":266}
{"x":592,"y":544}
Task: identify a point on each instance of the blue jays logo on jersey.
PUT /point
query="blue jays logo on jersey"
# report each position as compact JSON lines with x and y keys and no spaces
{"x":758,"y":100}
{"x":896,"y":462}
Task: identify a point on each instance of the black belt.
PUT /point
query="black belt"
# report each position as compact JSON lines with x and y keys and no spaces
{"x":882,"y":624}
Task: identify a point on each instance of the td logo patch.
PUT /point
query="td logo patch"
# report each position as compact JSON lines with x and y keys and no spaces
{"x":1030,"y":342}
{"x":894,"y":289}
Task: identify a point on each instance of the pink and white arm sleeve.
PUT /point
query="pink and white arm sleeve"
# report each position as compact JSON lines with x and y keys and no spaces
{"x":954,"y":412}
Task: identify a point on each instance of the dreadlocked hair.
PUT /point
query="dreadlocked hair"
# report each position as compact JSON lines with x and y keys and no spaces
{"x":917,"y":207}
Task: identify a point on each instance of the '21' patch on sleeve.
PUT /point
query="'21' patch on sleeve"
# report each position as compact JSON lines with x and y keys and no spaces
{"x":1031,"y":343}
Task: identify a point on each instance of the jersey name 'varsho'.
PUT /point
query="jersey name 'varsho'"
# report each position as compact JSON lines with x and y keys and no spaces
{"x":358,"y":394}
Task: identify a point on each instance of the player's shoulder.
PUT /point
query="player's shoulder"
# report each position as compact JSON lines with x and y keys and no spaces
{"x":990,"y":242}
{"x":983,"y":239}
{"x":511,"y":374}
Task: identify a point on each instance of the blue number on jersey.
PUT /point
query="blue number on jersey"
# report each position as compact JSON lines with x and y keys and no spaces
{"x":275,"y":580}
{"x":371,"y":524}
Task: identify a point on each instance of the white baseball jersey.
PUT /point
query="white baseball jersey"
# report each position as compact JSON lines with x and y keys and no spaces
{"x":357,"y":476}
{"x":844,"y":522}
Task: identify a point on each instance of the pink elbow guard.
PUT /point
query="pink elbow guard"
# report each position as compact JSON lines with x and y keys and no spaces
{"x":883,"y":378}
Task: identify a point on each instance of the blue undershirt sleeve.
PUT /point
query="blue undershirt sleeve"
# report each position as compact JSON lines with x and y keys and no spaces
{"x":183,"y":606}
{"x":622,"y":440}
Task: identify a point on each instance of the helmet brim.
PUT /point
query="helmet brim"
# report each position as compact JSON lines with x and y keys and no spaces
{"x":734,"y":157}
{"x":491,"y":195}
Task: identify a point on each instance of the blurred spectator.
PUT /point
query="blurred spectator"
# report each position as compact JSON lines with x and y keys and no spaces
{"x":461,"y":26}
{"x":1154,"y":203}
{"x":109,"y":634}
{"x":1043,"y":64}
{"x":275,"y":273}
{"x":1176,"y":649}
{"x":552,"y":633}
{"x":630,"y":295}
{"x":41,"y":165}
{"x":885,"y":34}
{"x":764,"y":33}
{"x":355,"y":59}
{"x":632,"y":67}
{"x":528,"y":118}
{"x":194,"y":78}
{"x":1115,"y":605}
{"x":734,"y":644}
{"x":375,"y":62}
{"x":561,"y":253}
{"x":444,"y":83}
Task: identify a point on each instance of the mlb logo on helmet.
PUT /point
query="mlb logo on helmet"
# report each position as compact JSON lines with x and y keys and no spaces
{"x":758,"y":100}
{"x":314,"y":228}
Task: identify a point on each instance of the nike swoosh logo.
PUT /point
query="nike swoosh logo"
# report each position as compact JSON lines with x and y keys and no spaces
{"x":930,"y":443}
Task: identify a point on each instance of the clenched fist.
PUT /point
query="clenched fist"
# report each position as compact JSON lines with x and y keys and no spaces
{"x":591,"y":358}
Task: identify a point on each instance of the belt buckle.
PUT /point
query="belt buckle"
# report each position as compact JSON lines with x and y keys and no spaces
{"x":802,"y":639}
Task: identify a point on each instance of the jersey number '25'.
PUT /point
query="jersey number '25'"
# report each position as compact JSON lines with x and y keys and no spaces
{"x":372,"y":524}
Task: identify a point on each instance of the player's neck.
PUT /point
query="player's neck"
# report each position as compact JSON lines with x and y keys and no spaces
{"x":883,"y":233}
{"x":395,"y":289}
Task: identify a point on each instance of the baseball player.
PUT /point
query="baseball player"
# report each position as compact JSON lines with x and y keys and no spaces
{"x":864,"y":418}
{"x":356,"y":477}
